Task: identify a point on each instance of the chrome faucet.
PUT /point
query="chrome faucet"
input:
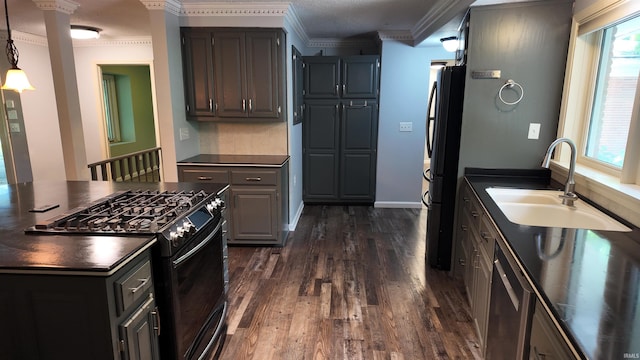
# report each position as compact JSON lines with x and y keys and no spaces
{"x":569,"y":196}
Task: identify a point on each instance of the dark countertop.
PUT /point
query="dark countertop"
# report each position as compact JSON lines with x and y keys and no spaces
{"x":589,"y":279}
{"x":20,"y":252}
{"x":236,"y":160}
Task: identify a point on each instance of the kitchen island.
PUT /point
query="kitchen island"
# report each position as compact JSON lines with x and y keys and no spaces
{"x":75,"y":296}
{"x":587,"y":281}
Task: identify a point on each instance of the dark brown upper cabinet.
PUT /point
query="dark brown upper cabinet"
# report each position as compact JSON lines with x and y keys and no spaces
{"x":354,"y":77}
{"x":298,"y":85}
{"x":197,"y":51}
{"x":247,"y":74}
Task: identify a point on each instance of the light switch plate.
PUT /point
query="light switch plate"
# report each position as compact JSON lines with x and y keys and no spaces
{"x":10,"y":104}
{"x":534,"y":131}
{"x":184,"y":133}
{"x":12,"y":114}
{"x":406,"y":126}
{"x":14,"y":127}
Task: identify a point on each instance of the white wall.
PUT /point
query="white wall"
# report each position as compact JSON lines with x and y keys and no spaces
{"x":87,"y":60}
{"x":580,"y":5}
{"x":404,"y":92}
{"x":40,"y":110}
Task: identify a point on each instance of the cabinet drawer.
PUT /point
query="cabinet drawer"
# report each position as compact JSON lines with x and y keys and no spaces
{"x":254,"y":177}
{"x":488,"y":236}
{"x":205,"y":175}
{"x":133,"y":286}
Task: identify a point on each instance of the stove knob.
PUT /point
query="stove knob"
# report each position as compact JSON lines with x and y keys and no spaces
{"x":180,"y":231}
{"x":173,"y":237}
{"x":210,"y":207}
{"x":187,"y":226}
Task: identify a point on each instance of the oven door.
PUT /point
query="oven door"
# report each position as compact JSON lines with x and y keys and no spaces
{"x":198,"y":289}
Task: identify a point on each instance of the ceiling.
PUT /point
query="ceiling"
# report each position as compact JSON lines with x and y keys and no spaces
{"x":325,"y":19}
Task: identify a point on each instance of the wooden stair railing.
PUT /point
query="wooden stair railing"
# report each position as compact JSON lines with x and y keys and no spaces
{"x":140,"y":166}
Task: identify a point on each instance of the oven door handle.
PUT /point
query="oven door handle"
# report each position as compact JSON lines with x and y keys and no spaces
{"x":196,"y":248}
{"x":217,"y":332}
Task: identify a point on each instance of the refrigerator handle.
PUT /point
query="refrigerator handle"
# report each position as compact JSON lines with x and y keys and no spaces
{"x":430,"y":118}
{"x":425,"y":199}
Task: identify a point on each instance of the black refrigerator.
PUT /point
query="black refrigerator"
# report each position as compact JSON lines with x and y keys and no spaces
{"x":443,"y":147}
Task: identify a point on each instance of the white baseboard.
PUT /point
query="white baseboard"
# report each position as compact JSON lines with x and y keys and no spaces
{"x":398,"y":204}
{"x":296,"y":218}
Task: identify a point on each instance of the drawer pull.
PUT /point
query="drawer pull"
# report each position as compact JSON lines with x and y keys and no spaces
{"x":143,"y":282}
{"x":485,"y":235}
{"x":253,"y":179}
{"x":461,"y":262}
{"x":464,"y":227}
{"x":205,"y":178}
{"x":156,"y":316}
{"x":474,"y":214}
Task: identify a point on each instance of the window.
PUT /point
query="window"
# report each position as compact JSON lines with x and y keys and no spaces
{"x":111,"y":115}
{"x":615,"y":93}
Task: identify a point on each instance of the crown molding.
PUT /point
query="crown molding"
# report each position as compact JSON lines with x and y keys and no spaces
{"x":132,"y":41}
{"x":65,"y":6}
{"x":396,"y":35}
{"x":170,"y":6}
{"x":235,"y":9}
{"x":340,"y":43}
{"x":24,"y":38}
{"x":293,"y":21}
{"x":437,"y":16}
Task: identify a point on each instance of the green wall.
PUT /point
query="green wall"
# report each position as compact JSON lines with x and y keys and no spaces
{"x":135,"y":105}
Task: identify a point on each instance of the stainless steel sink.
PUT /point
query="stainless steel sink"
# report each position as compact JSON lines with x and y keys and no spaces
{"x":545,"y":208}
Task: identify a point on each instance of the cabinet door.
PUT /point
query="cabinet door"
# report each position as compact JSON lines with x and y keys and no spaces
{"x":298,"y":85}
{"x":546,"y":342}
{"x":198,"y":72}
{"x":262,"y":65}
{"x":322,"y":77}
{"x":320,"y":143}
{"x":138,"y":334}
{"x":482,"y":292}
{"x":360,"y":76}
{"x":359,"y":136}
{"x":255,"y":214}
{"x":230,"y":76}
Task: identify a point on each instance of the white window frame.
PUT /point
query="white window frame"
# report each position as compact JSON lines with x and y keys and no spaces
{"x":614,"y":189}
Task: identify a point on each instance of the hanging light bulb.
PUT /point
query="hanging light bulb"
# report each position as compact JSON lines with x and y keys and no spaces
{"x":16,"y":78}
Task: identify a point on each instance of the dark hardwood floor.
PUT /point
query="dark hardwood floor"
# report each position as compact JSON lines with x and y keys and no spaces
{"x":349,"y":284}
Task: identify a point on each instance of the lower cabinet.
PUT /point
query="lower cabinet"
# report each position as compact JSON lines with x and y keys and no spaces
{"x":546,"y":342}
{"x":477,"y":241}
{"x":258,"y":200}
{"x":63,"y":316}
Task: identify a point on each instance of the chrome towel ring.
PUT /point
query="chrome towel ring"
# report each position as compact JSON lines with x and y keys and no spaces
{"x":509,"y":85}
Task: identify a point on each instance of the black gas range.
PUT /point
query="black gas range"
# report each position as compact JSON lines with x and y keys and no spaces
{"x":189,"y":262}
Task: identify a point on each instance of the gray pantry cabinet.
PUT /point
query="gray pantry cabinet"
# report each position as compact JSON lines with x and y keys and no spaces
{"x":257,"y":202}
{"x":234,"y":74}
{"x":94,"y":316}
{"x":340,"y":128}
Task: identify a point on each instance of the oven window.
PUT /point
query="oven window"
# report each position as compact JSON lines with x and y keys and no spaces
{"x":200,"y":285}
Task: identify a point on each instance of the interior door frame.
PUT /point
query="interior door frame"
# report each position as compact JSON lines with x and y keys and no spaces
{"x":103,"y":124}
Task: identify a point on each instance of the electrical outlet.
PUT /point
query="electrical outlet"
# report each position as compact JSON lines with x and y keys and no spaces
{"x":534,"y":131}
{"x":406,"y":126}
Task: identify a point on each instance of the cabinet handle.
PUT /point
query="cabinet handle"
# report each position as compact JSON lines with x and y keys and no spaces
{"x":253,"y":179}
{"x":210,"y":104}
{"x":337,"y":89}
{"x":485,"y":235}
{"x":156,"y":315}
{"x":343,"y":89}
{"x":205,"y":178}
{"x":461,"y":262}
{"x":538,"y":355}
{"x":250,"y":106}
{"x":474,"y":214}
{"x":363,"y":105}
{"x":143,"y":282}
{"x":244,"y":105}
{"x":464,"y":227}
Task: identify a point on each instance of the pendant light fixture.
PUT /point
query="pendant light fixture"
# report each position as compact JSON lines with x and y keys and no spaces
{"x":16,"y":79}
{"x":450,"y":43}
{"x":82,"y":32}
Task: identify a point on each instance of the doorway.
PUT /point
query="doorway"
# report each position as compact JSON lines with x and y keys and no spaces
{"x":128,"y":110}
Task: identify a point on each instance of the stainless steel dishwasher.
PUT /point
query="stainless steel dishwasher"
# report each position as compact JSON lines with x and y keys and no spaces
{"x":509,"y":310}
